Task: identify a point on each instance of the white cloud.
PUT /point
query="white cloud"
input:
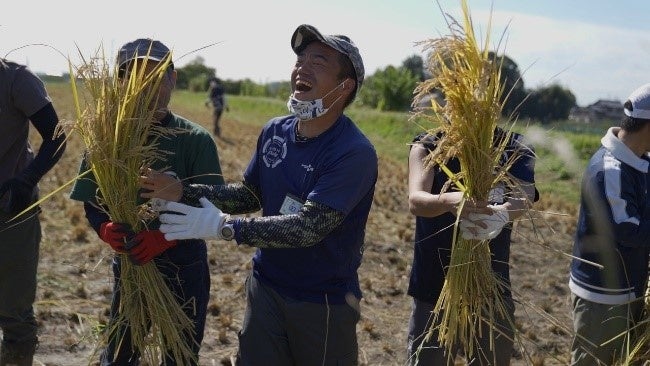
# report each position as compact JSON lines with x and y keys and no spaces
{"x":593,"y":61}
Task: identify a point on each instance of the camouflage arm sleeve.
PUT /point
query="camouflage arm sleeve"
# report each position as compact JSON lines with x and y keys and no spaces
{"x":301,"y":230}
{"x":232,"y":198}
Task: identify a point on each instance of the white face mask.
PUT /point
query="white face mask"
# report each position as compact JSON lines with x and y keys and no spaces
{"x":306,"y":110}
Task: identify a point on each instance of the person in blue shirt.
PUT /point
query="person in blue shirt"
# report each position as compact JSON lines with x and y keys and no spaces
{"x":23,"y":99}
{"x":609,"y":272}
{"x":313,"y":176}
{"x":435,"y":208}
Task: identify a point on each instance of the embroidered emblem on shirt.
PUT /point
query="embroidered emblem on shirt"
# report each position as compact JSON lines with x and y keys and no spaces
{"x":273,"y":151}
{"x":308,"y":167}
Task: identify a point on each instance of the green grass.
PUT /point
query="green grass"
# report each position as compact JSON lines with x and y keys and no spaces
{"x":250,"y":110}
{"x":584,"y":144}
{"x":391,"y":132}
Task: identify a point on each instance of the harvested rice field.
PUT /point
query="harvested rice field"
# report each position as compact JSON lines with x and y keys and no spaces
{"x":75,"y":277}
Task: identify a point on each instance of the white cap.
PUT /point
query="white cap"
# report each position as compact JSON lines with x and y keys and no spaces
{"x":640,"y":99}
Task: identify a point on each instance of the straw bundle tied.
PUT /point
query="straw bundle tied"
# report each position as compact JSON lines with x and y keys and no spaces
{"x":114,"y":120}
{"x":469,"y":78}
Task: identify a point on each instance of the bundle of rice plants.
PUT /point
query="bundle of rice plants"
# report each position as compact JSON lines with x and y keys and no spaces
{"x":469,"y":78}
{"x":114,"y":120}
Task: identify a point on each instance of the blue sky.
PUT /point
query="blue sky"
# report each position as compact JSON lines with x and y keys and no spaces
{"x":598,"y":49}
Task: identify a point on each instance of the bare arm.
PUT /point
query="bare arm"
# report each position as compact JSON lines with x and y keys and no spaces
{"x":426,"y":204}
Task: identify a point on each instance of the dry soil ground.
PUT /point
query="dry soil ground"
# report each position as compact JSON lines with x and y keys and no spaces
{"x":75,"y":278}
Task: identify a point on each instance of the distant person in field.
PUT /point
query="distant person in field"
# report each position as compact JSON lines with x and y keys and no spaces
{"x":23,"y":99}
{"x":435,"y":208}
{"x":313,"y":176}
{"x":183,"y":263}
{"x":613,"y":231}
{"x":216,"y":99}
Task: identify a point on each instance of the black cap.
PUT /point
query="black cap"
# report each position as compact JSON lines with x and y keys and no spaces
{"x":142,"y":48}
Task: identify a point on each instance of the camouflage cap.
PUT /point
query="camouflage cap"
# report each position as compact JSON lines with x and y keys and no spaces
{"x":305,"y":34}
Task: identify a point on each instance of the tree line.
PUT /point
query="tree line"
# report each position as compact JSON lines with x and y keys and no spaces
{"x":391,"y":88}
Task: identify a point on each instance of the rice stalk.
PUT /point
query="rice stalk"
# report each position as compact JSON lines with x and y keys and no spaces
{"x":114,"y":120}
{"x":640,"y":350}
{"x":469,"y":78}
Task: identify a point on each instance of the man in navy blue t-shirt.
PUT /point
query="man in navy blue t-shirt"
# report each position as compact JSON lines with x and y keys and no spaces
{"x":313,"y":175}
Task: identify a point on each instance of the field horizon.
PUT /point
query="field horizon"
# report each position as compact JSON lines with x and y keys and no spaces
{"x":74,"y":270}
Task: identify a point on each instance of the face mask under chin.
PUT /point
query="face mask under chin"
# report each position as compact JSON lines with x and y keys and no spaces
{"x":306,"y":110}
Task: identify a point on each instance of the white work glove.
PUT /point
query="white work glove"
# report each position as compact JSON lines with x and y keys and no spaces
{"x":190,"y":222}
{"x":470,"y":228}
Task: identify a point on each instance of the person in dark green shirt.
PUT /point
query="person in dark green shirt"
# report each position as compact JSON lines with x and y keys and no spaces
{"x":191,"y":156}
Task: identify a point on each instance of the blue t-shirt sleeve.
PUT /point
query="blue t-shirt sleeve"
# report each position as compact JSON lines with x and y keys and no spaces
{"x":346,"y":180}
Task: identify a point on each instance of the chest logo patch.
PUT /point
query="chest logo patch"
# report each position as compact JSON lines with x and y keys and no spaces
{"x":273,"y":151}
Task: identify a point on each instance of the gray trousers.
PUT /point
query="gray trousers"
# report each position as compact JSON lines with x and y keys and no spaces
{"x":18,"y":263}
{"x":421,"y":353}
{"x":279,"y":331}
{"x":598,"y":329}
